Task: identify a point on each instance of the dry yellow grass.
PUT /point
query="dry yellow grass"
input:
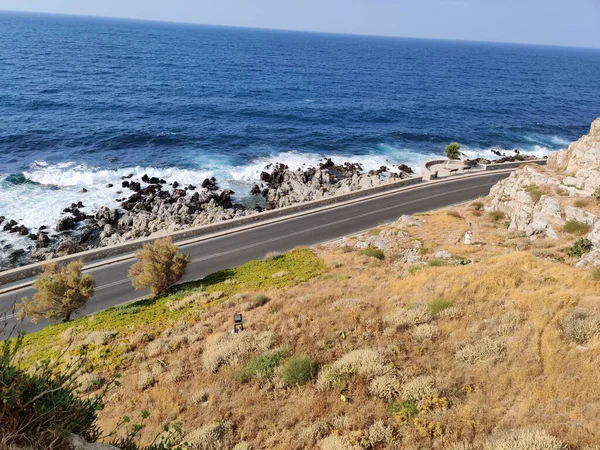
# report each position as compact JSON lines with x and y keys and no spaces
{"x":508,"y":354}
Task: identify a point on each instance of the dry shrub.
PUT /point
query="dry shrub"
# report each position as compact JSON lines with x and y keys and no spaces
{"x":366,"y":362}
{"x":242,"y":446}
{"x":148,"y":376}
{"x":214,"y":436}
{"x":460,"y":446}
{"x":232,"y":348}
{"x":425,"y":332}
{"x":580,"y":328}
{"x":347,"y":304}
{"x":280,"y":274}
{"x":511,"y":321}
{"x":342,"y":422}
{"x":199,"y":397}
{"x":525,"y":440}
{"x":380,"y":433}
{"x":486,"y":349}
{"x":197,"y":297}
{"x":335,"y":442}
{"x":418,"y":388}
{"x":99,"y":338}
{"x":311,"y":433}
{"x":89,"y":382}
{"x":386,"y":387}
{"x":450,"y":313}
{"x":178,"y":372}
{"x":409,"y":317}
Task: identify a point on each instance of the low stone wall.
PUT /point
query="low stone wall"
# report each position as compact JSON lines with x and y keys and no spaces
{"x":515,"y":165}
{"x":21,"y":273}
{"x":426,"y":173}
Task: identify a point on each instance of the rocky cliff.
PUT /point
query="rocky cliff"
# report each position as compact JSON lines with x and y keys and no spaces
{"x":541,"y":201}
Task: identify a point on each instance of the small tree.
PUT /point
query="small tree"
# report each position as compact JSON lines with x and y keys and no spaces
{"x":60,"y":292}
{"x":159,"y":266}
{"x":453,"y":150}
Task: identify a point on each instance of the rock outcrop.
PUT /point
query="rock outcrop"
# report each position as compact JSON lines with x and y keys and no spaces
{"x":539,"y":201}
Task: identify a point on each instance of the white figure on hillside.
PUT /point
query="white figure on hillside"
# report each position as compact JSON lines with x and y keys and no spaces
{"x":469,"y":237}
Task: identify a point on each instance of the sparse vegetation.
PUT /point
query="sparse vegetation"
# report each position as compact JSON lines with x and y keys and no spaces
{"x":496,"y":216}
{"x":260,"y":300}
{"x":272,"y":256}
{"x":580,"y":248}
{"x":596,"y":193}
{"x":535,"y":192}
{"x":581,"y":203}
{"x":262,"y":366}
{"x":61,"y":291}
{"x":455,"y":214}
{"x":453,"y":150}
{"x":438,"y":305}
{"x":581,"y":328}
{"x":576,"y":227}
{"x":298,"y":370}
{"x":159,"y":266}
{"x":477,"y":206}
{"x":373,"y":253}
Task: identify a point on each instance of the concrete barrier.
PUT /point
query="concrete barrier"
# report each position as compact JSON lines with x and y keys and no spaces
{"x":515,"y":165}
{"x":21,"y":273}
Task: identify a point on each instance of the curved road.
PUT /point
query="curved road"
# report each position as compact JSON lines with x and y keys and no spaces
{"x":230,"y":250}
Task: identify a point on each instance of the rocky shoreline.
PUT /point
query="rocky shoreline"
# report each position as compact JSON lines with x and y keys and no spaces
{"x":150,"y":206}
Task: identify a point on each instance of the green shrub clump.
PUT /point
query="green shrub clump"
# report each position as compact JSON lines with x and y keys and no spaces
{"x":373,"y":253}
{"x":260,"y":300}
{"x":404,"y":410}
{"x":576,"y":227}
{"x":39,"y":408}
{"x":438,"y":305}
{"x":298,"y":370}
{"x":580,"y":248}
{"x":262,"y":366}
{"x":596,"y":193}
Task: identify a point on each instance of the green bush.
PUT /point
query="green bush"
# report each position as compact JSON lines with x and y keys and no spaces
{"x":453,"y":150}
{"x":580,"y":248}
{"x":39,"y":408}
{"x":535,"y":191}
{"x":262,"y":366}
{"x":260,"y":300}
{"x":576,"y":227}
{"x":596,"y":194}
{"x":437,"y":262}
{"x":438,"y":305}
{"x":298,"y":370}
{"x":373,"y":253}
{"x":404,"y":410}
{"x":496,"y":216}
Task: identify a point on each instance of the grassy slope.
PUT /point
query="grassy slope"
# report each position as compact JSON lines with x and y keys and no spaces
{"x":500,"y":361}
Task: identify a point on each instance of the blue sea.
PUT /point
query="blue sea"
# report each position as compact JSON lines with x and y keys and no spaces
{"x":84,"y":101}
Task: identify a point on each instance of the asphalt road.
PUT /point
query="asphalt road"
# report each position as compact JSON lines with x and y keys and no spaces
{"x":213,"y":254}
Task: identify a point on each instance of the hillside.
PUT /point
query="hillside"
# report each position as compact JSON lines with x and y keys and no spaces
{"x":415,"y":340}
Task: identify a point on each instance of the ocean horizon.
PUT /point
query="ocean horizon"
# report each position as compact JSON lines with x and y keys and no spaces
{"x":85,"y":101}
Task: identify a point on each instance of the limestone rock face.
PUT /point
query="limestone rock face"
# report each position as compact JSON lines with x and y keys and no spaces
{"x":580,"y":162}
{"x":530,"y":196}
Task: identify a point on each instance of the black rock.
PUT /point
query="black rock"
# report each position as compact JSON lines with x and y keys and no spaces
{"x":43,"y":240}
{"x":175,"y":184}
{"x":125,"y":177}
{"x":135,"y":186}
{"x":327,"y":164}
{"x":405,"y":168}
{"x":161,"y":181}
{"x":22,"y":230}
{"x":210,"y":184}
{"x":265,"y":176}
{"x":109,"y":185}
{"x":43,"y":227}
{"x":145,"y":178}
{"x":2,"y":219}
{"x":80,"y":204}
{"x":83,"y":190}
{"x":125,"y":184}
{"x":255,"y":190}
{"x":9,"y":225}
{"x":65,"y":223}
{"x":191,"y":187}
{"x":33,"y":236}
{"x":154,"y":180}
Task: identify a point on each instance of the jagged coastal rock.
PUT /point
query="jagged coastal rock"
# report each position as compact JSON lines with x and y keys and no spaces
{"x":541,"y":200}
{"x":152,"y":207}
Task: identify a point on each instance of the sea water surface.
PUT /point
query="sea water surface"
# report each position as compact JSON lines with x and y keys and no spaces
{"x":84,"y":101}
